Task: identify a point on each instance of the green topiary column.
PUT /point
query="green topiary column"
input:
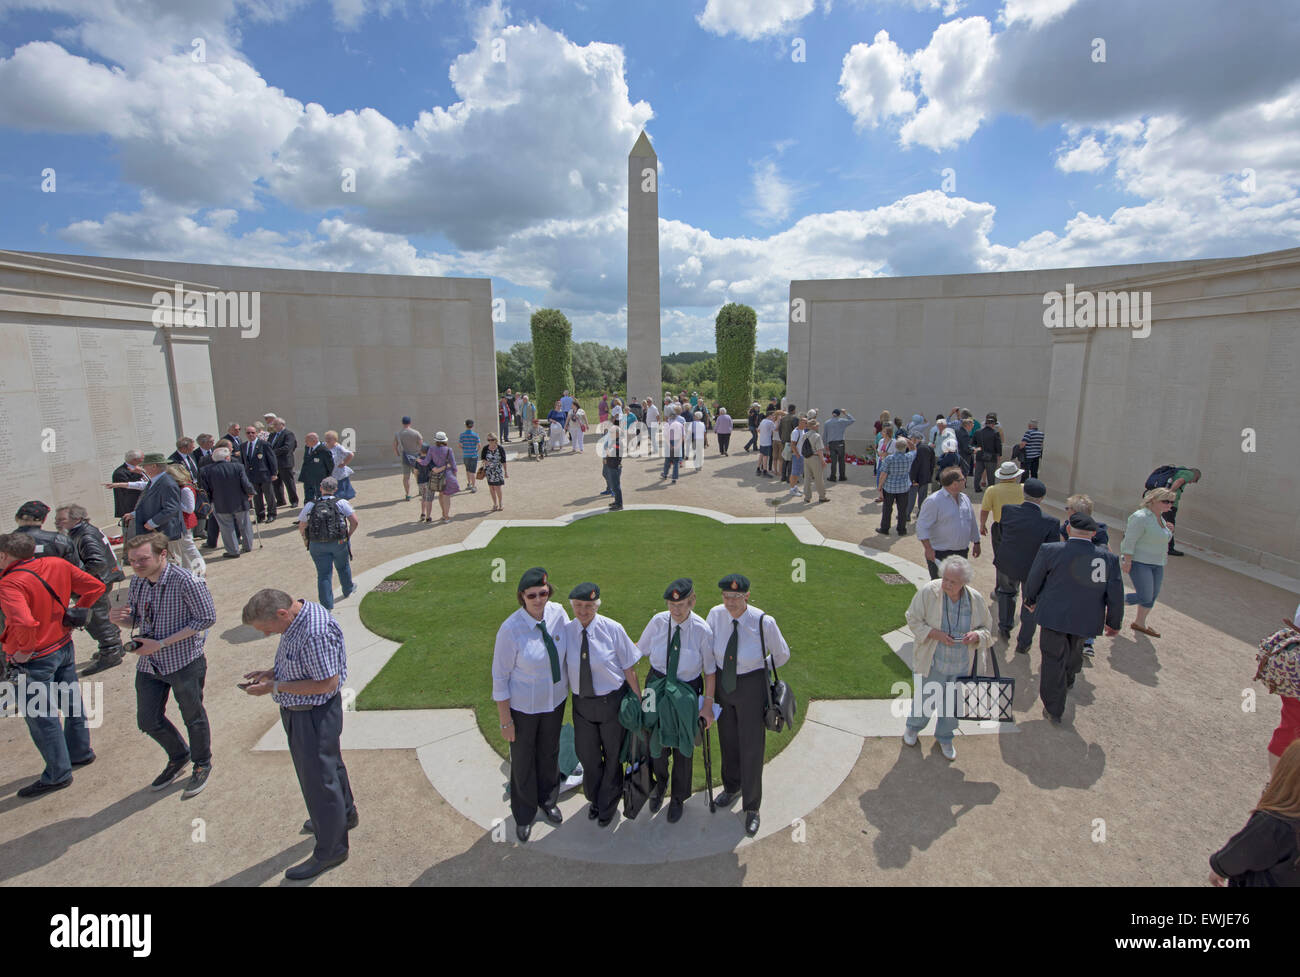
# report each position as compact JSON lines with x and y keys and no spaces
{"x":736,"y":337}
{"x":552,"y":357}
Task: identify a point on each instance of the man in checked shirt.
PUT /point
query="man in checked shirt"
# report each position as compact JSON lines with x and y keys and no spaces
{"x":172,"y":610}
{"x":310,"y":666}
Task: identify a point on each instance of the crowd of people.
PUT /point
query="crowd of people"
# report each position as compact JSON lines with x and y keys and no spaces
{"x":1068,"y":583}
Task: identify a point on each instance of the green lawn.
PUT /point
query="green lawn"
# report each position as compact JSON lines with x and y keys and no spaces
{"x":448,"y":615}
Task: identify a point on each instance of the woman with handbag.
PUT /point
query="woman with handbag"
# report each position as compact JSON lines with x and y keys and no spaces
{"x":743,"y":638}
{"x":577,"y":426}
{"x":1266,"y":851}
{"x":530,"y":687}
{"x":492,"y":466}
{"x":441,"y":462}
{"x":1143,"y":554}
{"x":183,"y":550}
{"x":948,"y":618}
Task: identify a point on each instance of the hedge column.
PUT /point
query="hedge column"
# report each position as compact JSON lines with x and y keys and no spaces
{"x":643,"y":376}
{"x":736,"y":335}
{"x":552,"y":357}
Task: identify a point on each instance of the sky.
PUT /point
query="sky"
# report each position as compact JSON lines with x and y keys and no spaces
{"x":797,"y":139}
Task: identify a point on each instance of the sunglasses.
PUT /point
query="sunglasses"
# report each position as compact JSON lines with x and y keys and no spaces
{"x":537,"y":595}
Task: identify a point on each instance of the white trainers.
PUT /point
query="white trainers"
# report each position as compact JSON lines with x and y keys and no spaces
{"x":910,"y":737}
{"x":949,"y":751}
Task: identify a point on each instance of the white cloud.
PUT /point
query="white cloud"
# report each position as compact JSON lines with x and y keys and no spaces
{"x":1087,"y":157}
{"x":773,"y":195}
{"x":1036,"y":13}
{"x":752,"y":19}
{"x":874,"y":81}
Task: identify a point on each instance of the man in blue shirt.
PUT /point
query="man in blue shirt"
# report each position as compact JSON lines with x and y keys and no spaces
{"x":896,"y":484}
{"x":947,"y":523}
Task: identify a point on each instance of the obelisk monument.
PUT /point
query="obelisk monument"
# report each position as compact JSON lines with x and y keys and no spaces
{"x":643,"y":369}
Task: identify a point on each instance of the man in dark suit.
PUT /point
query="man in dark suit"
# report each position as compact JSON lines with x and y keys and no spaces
{"x":227,"y":485}
{"x":1024,"y":529}
{"x":185,"y":457}
{"x":317,"y":463}
{"x":159,"y":508}
{"x":124,"y":500}
{"x":1073,"y":587}
{"x":284,"y":444}
{"x":259,"y":462}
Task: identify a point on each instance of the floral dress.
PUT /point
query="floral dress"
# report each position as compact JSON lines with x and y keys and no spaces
{"x":494,"y":460}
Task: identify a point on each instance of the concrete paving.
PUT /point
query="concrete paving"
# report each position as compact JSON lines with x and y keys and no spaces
{"x":1160,"y":760}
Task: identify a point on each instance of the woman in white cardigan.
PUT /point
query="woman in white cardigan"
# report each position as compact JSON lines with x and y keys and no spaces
{"x":947,"y":617}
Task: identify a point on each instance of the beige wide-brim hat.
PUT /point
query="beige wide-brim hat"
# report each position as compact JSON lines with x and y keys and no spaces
{"x":440,"y":437}
{"x":1009,"y":470}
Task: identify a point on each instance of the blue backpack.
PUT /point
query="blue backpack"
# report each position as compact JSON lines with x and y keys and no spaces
{"x":1162,"y":477}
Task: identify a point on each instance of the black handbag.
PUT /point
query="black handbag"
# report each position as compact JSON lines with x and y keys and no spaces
{"x":985,"y":697}
{"x":780,"y":710}
{"x":73,"y":617}
{"x":638,"y":779}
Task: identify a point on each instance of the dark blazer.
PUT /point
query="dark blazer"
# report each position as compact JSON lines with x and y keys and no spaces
{"x":284,"y":444}
{"x":161,"y":505}
{"x":190,"y":462}
{"x":259,"y":460}
{"x":1024,"y":529}
{"x":226,"y":484}
{"x":989,"y":441}
{"x":923,"y":464}
{"x":124,"y":500}
{"x":317,"y":463}
{"x":1076,"y":585}
{"x":965,"y":445}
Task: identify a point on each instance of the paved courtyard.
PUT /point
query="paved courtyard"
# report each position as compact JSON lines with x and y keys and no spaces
{"x":1157,"y":765}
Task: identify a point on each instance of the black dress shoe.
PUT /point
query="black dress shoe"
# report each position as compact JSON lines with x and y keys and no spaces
{"x":674,"y":811}
{"x":39,"y":788}
{"x":1004,"y":634}
{"x":604,"y":822}
{"x":353,"y":820}
{"x":552,"y":814}
{"x":657,"y":801}
{"x":592,"y":812}
{"x":1174,"y":552}
{"x":724,"y":799}
{"x":1022,"y":649}
{"x":751,"y":823}
{"x":84,"y":763}
{"x":312,"y":868}
{"x":615,"y":508}
{"x":522,"y":831}
{"x":230,"y":556}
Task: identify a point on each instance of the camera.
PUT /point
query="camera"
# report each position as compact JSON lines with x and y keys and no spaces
{"x":134,"y":644}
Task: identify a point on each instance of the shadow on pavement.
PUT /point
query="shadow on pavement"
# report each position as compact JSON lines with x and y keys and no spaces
{"x":913,"y":805}
{"x":269,"y":868}
{"x":1053,"y":756}
{"x":1135,"y":658}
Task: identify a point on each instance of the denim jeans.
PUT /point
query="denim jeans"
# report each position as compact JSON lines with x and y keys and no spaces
{"x":328,"y":557}
{"x":946,"y":724}
{"x":151,"y":691}
{"x":614,"y":479}
{"x":1147,"y":578}
{"x":675,"y":461}
{"x":58,"y":747}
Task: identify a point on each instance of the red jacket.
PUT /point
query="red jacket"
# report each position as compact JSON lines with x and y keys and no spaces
{"x":33,"y":619}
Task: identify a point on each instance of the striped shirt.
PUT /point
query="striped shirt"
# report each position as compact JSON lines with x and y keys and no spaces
{"x":897,"y":472}
{"x":179,"y":600}
{"x":1033,"y":443}
{"x":311,"y":650}
{"x":469,"y":442}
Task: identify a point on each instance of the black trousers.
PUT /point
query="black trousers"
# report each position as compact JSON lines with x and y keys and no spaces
{"x":743,"y":736}
{"x":1062,"y":661}
{"x":108,"y":634}
{"x":986,"y":468}
{"x":598,"y":738}
{"x":1031,"y":468}
{"x":838,"y":454}
{"x":317,"y":759}
{"x":263,"y":499}
{"x":724,"y":442}
{"x":894,"y":499}
{"x":1005,"y":592}
{"x":535,"y":762}
{"x":939,"y":555}
{"x":285,"y":483}
{"x":186,"y":684}
{"x":785,"y":468}
{"x":682,"y":765}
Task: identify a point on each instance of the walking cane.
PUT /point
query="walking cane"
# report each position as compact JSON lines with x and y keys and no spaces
{"x":708,"y":764}
{"x":257,"y":533}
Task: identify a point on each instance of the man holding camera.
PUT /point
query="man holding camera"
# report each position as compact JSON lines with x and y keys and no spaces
{"x":37,"y":642}
{"x":173,"y":610}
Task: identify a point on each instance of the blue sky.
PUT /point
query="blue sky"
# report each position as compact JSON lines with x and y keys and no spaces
{"x":797,"y":139}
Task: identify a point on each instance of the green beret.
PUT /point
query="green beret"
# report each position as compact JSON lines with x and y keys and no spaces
{"x":734,"y":583}
{"x":585,"y":591}
{"x":679,"y":589}
{"x":532,"y":578}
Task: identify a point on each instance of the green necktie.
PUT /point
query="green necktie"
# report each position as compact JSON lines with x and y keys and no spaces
{"x":729,"y":661}
{"x":674,"y":651}
{"x":550,"y":650}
